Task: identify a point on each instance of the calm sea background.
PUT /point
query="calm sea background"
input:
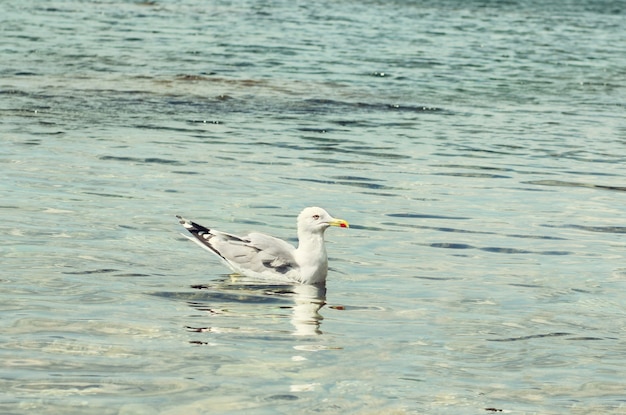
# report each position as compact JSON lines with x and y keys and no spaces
{"x":478,"y":149}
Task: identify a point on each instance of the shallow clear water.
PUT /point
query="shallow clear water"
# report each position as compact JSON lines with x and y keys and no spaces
{"x":476,"y":148}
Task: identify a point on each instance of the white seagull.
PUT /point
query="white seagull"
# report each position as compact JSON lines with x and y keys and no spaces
{"x":261,"y":256}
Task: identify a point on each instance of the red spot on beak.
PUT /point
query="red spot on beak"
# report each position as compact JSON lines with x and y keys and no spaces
{"x":343,"y":225}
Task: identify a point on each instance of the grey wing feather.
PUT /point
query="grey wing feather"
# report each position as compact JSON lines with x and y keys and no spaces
{"x":255,"y":252}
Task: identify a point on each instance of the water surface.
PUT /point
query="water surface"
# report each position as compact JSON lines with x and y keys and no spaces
{"x":476,"y":148}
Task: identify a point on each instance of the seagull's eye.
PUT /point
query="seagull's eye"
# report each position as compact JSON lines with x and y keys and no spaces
{"x":316,"y":217}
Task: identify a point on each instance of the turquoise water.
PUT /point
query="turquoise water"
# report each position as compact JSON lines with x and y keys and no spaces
{"x":477,"y":149}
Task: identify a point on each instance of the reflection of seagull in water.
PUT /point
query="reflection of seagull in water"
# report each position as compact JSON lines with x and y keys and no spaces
{"x":261,"y":256}
{"x":308,"y":300}
{"x":232,"y":296}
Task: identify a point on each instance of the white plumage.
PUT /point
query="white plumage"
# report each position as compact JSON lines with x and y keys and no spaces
{"x":262,"y":256}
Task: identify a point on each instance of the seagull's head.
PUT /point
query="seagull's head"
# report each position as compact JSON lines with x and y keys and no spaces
{"x":317,"y":220}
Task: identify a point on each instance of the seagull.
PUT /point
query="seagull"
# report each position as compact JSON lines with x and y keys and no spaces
{"x":261,"y":256}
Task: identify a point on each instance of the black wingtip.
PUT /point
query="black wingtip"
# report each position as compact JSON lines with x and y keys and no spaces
{"x":191,"y":226}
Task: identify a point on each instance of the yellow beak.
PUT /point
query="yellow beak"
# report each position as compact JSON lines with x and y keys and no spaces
{"x":339,"y":222}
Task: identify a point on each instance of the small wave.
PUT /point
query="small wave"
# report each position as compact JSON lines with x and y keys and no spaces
{"x":95,"y":271}
{"x":353,"y":183}
{"x":575,"y":184}
{"x":494,"y":249}
{"x":533,"y":336}
{"x":148,"y":160}
{"x":423,"y":216}
{"x":475,"y":175}
{"x":374,"y":106}
{"x":604,"y":229}
{"x":458,"y":230}
{"x":108,"y":195}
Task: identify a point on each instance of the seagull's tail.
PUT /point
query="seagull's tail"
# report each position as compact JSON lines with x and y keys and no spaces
{"x":193,"y":227}
{"x":201,"y":235}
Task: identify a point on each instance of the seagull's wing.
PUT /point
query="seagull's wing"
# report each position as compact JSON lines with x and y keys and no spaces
{"x":254,"y":255}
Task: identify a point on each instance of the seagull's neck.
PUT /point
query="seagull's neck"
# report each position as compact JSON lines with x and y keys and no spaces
{"x":311,"y":256}
{"x":311,"y":242}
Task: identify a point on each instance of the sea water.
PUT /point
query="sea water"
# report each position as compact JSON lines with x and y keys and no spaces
{"x":477,"y":149}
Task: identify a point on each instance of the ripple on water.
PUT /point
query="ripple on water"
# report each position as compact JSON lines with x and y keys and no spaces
{"x":493,"y":249}
{"x":148,"y":160}
{"x":561,"y":183}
